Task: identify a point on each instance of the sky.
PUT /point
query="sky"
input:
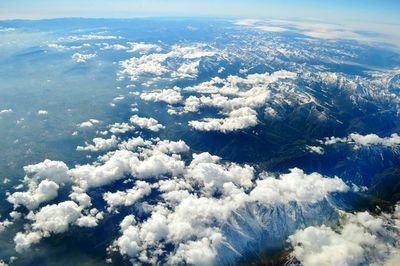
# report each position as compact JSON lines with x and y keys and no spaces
{"x":383,"y":11}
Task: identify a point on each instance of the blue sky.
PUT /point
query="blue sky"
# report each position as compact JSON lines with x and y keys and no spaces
{"x":365,"y":10}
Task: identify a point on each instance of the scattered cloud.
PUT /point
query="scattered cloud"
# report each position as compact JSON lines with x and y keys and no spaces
{"x":82,"y":58}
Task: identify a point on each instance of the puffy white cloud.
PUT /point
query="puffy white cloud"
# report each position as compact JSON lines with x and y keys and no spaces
{"x":52,"y":170}
{"x":359,"y":140}
{"x":133,"y":143}
{"x":86,"y":37}
{"x":214,"y":176}
{"x":4,"y":224}
{"x":23,"y":241}
{"x":87,"y":221}
{"x":194,"y":217}
{"x":200,"y":252}
{"x":42,"y":112}
{"x":100,"y":144}
{"x":373,"y":139}
{"x":296,"y":186}
{"x":170,"y":96}
{"x":187,"y":70}
{"x":120,"y":128}
{"x":143,"y":47}
{"x":166,"y":146}
{"x":78,"y":195}
{"x":116,"y":47}
{"x":31,"y":199}
{"x":128,"y":243}
{"x":116,"y":167}
{"x":237,"y":119}
{"x":56,"y":218}
{"x":82,"y":58}
{"x":315,"y":149}
{"x":159,"y":164}
{"x":7,"y":29}
{"x":153,"y":66}
{"x":361,"y":239}
{"x":6,"y":111}
{"x":144,"y":122}
{"x":88,"y":124}
{"x":127,"y":197}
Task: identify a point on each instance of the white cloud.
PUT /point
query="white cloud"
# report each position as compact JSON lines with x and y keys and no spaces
{"x":6,"y":111}
{"x":373,"y":139}
{"x":133,"y":143}
{"x":56,"y":218}
{"x":78,"y":195}
{"x":100,"y":144}
{"x":170,"y":96}
{"x":315,"y":149}
{"x":361,"y":239}
{"x":147,"y":123}
{"x":187,"y":70}
{"x":88,"y":124}
{"x":82,"y":58}
{"x":296,"y":186}
{"x":359,"y":140}
{"x":87,"y":37}
{"x":120,"y":128}
{"x":51,"y":170}
{"x":4,"y":224}
{"x":153,"y":66}
{"x":31,"y":199}
{"x":166,"y":146}
{"x":238,"y":119}
{"x":51,"y":219}
{"x":116,"y":167}
{"x":127,"y":197}
{"x":7,"y":29}
{"x":143,"y":47}
{"x":42,"y":112}
{"x":116,"y":47}
{"x":23,"y":241}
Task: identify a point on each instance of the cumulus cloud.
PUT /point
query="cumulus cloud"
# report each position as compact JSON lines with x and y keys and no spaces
{"x":86,"y":37}
{"x":4,"y":224}
{"x":361,"y":239}
{"x":31,"y":199}
{"x":128,"y":197}
{"x":315,"y":149}
{"x":359,"y":140}
{"x":120,"y":128}
{"x":237,"y":119}
{"x":100,"y":144}
{"x":141,"y":47}
{"x":170,"y":96}
{"x":149,"y":66}
{"x":296,"y":186}
{"x":51,"y":170}
{"x":23,"y":241}
{"x":54,"y":219}
{"x":192,"y":223}
{"x":42,"y":112}
{"x":147,"y":123}
{"x":116,"y":167}
{"x":133,"y":143}
{"x":88,"y":124}
{"x":82,"y":58}
{"x":167,"y":146}
{"x":194,"y":200}
{"x":6,"y":111}
{"x":187,"y":70}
